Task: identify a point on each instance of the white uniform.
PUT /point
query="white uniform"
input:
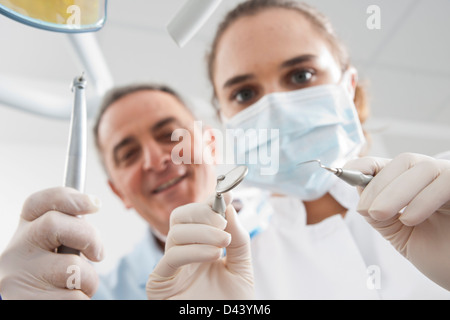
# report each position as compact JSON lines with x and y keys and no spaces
{"x":338,"y":258}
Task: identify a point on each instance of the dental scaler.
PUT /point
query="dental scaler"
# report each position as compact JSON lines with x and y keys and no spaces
{"x":353,"y":178}
{"x":227,"y":183}
{"x":75,"y":171}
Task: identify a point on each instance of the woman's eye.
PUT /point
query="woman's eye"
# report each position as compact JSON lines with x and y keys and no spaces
{"x":301,"y":77}
{"x":244,"y":95}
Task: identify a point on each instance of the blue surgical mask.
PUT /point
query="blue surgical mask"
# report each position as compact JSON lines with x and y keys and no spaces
{"x":319,"y":122}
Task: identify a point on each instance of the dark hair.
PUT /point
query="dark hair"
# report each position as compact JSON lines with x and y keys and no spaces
{"x":316,"y":18}
{"x":117,"y":93}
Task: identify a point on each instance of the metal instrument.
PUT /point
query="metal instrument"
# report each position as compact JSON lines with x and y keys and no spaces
{"x":354,"y":178}
{"x":75,"y":171}
{"x":226,"y":183}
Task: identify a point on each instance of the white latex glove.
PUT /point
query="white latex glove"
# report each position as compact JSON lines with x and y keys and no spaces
{"x":422,"y":231}
{"x":193,"y":267}
{"x":29,"y":266}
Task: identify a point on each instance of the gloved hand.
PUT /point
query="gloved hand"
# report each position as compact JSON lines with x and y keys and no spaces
{"x":29,"y":266}
{"x":193,"y":267}
{"x":421,"y":232}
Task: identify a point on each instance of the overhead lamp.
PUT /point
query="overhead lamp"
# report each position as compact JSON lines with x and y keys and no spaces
{"x":68,"y":16}
{"x":190,"y":18}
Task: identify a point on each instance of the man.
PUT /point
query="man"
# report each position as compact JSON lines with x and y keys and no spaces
{"x":134,"y":138}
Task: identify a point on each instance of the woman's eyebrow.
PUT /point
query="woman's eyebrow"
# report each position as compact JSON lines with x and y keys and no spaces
{"x":286,"y":64}
{"x":237,"y":79}
{"x":298,"y":60}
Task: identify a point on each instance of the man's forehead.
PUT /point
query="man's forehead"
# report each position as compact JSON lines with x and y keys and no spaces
{"x":147,"y":100}
{"x":140,"y":109}
{"x":152,"y":105}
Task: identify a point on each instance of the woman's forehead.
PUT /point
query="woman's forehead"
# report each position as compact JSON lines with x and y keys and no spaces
{"x":266,"y":39}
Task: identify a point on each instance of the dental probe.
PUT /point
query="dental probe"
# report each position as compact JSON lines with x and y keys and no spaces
{"x":354,"y":178}
{"x":75,"y":171}
{"x":226,"y":183}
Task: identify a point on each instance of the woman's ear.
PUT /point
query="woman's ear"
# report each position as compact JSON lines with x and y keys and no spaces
{"x":350,"y":81}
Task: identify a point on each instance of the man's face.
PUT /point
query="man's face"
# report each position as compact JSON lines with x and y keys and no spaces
{"x":135,"y":137}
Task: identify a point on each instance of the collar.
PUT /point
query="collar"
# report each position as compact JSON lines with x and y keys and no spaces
{"x":345,"y":194}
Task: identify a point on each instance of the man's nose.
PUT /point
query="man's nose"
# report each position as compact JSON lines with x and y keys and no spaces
{"x":156,"y":157}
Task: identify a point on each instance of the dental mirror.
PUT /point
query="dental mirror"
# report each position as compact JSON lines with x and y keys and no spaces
{"x":68,"y":16}
{"x":227,"y":183}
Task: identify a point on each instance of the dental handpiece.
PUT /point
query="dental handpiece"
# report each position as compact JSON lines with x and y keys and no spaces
{"x":226,"y":183}
{"x":353,"y":178}
{"x":75,"y":170}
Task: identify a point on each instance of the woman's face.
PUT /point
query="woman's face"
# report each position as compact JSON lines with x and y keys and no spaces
{"x":275,"y":50}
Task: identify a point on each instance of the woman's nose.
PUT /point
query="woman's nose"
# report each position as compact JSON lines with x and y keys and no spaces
{"x":272,"y":86}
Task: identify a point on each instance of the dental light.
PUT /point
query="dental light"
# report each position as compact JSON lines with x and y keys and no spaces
{"x":68,"y":16}
{"x":78,"y":19}
{"x":61,"y":16}
{"x":190,"y":18}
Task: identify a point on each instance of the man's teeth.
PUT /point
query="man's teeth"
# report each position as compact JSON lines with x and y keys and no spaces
{"x":168,"y":184}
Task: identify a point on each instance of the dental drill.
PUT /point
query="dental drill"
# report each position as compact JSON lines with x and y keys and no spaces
{"x":75,"y":170}
{"x":353,"y":178}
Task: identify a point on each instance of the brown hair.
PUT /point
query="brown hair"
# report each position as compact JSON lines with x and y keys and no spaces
{"x":316,"y":18}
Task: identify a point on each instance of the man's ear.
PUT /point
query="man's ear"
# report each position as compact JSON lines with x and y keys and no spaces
{"x":126,"y":203}
{"x":350,"y":81}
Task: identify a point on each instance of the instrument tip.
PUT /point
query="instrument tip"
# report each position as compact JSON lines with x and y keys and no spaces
{"x":310,"y":161}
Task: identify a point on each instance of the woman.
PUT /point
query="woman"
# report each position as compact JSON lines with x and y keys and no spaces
{"x":279,"y":65}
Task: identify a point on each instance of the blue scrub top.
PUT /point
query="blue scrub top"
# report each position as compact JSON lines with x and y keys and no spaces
{"x":127,"y":281}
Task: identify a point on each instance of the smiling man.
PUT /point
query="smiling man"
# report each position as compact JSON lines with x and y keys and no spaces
{"x":133,"y":135}
{"x":136,"y":152}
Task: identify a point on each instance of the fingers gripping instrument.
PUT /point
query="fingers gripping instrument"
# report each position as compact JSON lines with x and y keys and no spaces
{"x":227,"y":183}
{"x":75,"y":171}
{"x":354,"y":178}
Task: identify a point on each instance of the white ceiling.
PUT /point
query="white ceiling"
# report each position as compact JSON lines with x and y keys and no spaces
{"x":406,"y":65}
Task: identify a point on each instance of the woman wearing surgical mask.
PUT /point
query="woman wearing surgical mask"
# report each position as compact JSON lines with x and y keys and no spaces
{"x":277,"y":66}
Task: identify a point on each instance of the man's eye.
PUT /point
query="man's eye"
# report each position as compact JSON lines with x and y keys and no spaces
{"x":166,"y":136}
{"x":128,"y":155}
{"x":301,"y":77}
{"x":244,"y":95}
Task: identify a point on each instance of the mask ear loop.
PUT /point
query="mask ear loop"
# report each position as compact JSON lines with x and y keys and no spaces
{"x":347,"y":83}
{"x":349,"y":80}
{"x":223,"y":118}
